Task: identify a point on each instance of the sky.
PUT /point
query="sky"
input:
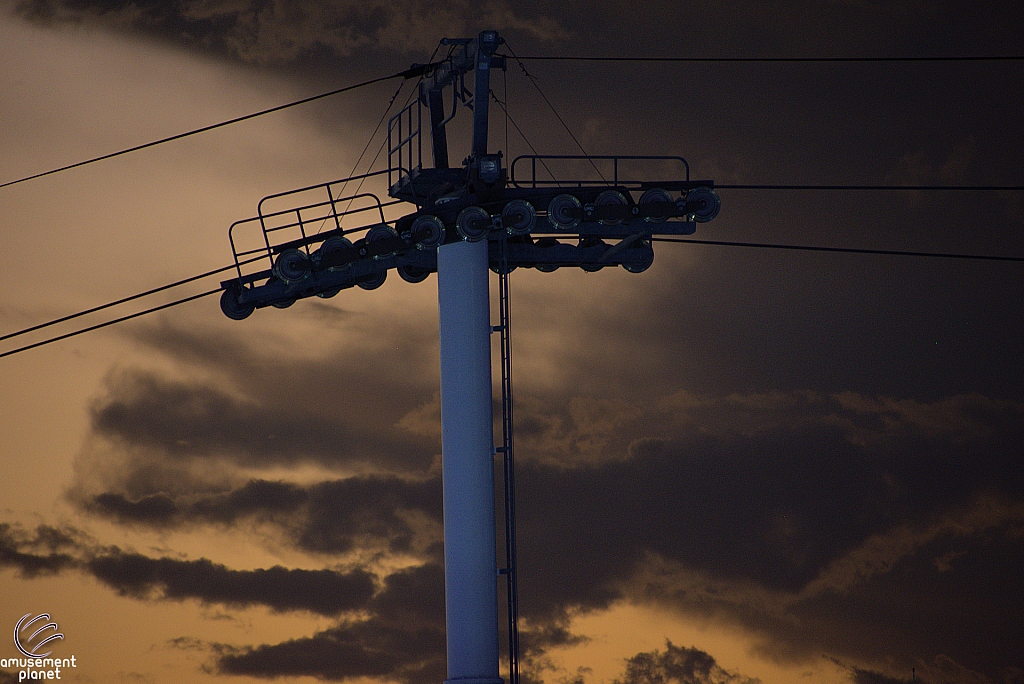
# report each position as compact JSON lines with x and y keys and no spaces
{"x":742,"y":465}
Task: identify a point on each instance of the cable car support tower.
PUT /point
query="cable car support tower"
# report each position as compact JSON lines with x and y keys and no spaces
{"x":463,"y":221}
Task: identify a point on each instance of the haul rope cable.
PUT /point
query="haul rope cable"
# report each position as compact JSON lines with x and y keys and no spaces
{"x":720,"y":243}
{"x":416,"y":70}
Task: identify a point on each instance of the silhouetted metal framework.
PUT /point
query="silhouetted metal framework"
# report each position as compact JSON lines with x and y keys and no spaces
{"x":541,"y":211}
{"x":508,"y":460}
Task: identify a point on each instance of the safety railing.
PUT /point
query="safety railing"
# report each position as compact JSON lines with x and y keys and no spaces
{"x":617,"y":170}
{"x":307,"y":216}
{"x":405,"y":144}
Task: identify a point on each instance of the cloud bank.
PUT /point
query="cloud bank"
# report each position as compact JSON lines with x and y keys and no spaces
{"x":284,"y":30}
{"x":803,"y":518}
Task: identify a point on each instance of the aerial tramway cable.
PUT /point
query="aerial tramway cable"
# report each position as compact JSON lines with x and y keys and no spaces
{"x":844,"y":250}
{"x":111,"y":322}
{"x":726,"y":60}
{"x":415,"y":70}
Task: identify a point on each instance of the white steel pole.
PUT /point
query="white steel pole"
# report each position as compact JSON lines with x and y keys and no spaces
{"x":467,"y":442}
{"x":470,"y":566}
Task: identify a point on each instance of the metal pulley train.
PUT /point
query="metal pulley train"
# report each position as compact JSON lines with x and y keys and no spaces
{"x":542,"y":211}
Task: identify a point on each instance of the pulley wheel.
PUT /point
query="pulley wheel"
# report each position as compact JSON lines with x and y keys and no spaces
{"x":327,"y":294}
{"x":611,"y":198}
{"x":473,"y":224}
{"x":378,"y":233}
{"x":376,"y":281}
{"x":432,"y":229}
{"x":564,"y":211}
{"x":412,"y":274}
{"x":656,"y":196}
{"x":642,"y":256}
{"x":291,"y":265}
{"x":233,"y":308}
{"x":335,"y":243}
{"x":284,"y":303}
{"x":519,"y":217}
{"x":703,"y":204}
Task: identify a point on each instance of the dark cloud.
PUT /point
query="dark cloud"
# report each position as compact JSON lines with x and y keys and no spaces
{"x":152,"y":509}
{"x":394,"y":630}
{"x":542,"y":635}
{"x":414,"y":596}
{"x":191,"y":421}
{"x":678,"y":664}
{"x":330,"y":517}
{"x":919,"y":607}
{"x":808,"y":520}
{"x":770,"y":487}
{"x":280,"y":30}
{"x":324,"y":592}
{"x":343,"y":511}
{"x":154,"y":435}
{"x":47,"y":551}
{"x":365,"y":649}
{"x":942,"y":669}
{"x":859,"y":676}
{"x":283,"y":30}
{"x":402,"y":640}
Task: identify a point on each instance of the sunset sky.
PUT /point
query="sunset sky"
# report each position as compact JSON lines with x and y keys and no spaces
{"x":741,"y":465}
